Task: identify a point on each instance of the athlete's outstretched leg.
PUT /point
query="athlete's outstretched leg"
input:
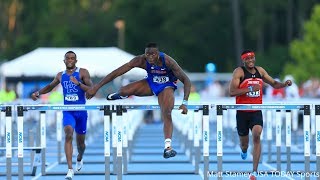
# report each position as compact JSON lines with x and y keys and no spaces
{"x":138,"y":88}
{"x":166,"y":102}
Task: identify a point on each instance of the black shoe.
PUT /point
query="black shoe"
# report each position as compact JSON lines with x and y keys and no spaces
{"x":169,"y":152}
{"x":115,"y":96}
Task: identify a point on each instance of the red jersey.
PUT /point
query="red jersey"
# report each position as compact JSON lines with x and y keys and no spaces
{"x":249,"y":80}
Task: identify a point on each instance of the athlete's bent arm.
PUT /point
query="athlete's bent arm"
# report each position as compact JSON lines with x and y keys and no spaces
{"x":47,"y":88}
{"x":181,"y":75}
{"x":135,"y":62}
{"x":85,"y":76}
{"x":268,"y":79}
{"x":234,"y":89}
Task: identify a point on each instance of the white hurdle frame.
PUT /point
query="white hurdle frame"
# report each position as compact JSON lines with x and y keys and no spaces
{"x":42,"y":148}
{"x":317,"y":113}
{"x":119,"y":115}
{"x":205,"y":122}
{"x":277,"y":107}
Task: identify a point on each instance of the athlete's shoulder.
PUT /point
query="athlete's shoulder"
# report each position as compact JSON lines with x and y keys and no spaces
{"x":260,"y":70}
{"x":83,"y":69}
{"x":238,"y":70}
{"x":58,"y":76}
{"x":137,"y":61}
{"x":59,"y":73}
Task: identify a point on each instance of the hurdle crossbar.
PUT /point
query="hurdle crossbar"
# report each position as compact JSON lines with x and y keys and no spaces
{"x":278,"y":108}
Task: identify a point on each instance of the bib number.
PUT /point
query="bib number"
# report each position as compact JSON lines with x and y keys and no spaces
{"x":253,"y":94}
{"x":160,"y":79}
{"x":71,"y":97}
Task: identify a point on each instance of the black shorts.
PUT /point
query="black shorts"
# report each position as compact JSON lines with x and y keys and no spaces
{"x":246,"y":120}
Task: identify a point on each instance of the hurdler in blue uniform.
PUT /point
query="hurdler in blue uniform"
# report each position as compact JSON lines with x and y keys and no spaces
{"x":74,"y":81}
{"x":163,"y":71}
{"x":74,"y":95}
{"x":160,"y":77}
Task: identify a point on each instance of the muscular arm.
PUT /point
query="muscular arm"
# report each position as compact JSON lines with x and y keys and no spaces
{"x":85,"y":77}
{"x":53,"y":84}
{"x":268,"y":79}
{"x":234,"y":89}
{"x":180,"y":74}
{"x":135,"y":62}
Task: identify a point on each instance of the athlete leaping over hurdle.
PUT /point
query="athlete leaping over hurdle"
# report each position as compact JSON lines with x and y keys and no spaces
{"x":163,"y":72}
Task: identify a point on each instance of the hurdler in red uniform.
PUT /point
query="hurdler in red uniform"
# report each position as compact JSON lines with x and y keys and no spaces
{"x":246,"y":86}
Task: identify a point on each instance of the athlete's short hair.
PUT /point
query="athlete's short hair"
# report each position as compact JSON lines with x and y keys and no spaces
{"x":70,"y":52}
{"x":152,"y":45}
{"x":246,"y":51}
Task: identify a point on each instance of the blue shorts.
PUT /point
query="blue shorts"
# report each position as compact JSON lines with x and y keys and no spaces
{"x":157,"y":88}
{"x":77,"y":120}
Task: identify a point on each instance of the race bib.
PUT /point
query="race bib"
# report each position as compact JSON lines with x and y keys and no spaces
{"x":71,"y":97}
{"x":254,"y":94}
{"x":160,"y":79}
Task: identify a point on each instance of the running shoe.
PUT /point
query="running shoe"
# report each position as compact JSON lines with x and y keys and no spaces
{"x":79,"y":165}
{"x":243,"y":155}
{"x":169,"y":152}
{"x":70,"y":174}
{"x":253,"y":176}
{"x":115,"y":96}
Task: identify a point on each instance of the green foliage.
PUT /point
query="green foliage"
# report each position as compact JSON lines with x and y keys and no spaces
{"x":192,"y":32}
{"x":279,"y":55}
{"x":305,"y":51}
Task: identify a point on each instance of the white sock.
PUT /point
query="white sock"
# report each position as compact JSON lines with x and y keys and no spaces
{"x":167,"y":143}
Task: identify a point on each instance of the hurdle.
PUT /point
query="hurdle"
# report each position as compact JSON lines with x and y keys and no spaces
{"x":277,"y":107}
{"x":8,"y":136}
{"x":197,"y":108}
{"x":123,"y":132}
{"x":317,"y":113}
{"x":42,"y":148}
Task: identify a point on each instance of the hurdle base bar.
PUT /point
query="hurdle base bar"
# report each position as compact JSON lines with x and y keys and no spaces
{"x":269,"y":151}
{"x":90,"y":162}
{"x":107,"y":167}
{"x":307,"y":165}
{"x":36,"y":162}
{"x":206,"y":166}
{"x":9,"y":170}
{"x":17,"y":174}
{"x":114,"y":157}
{"x":119,"y":168}
{"x":318,"y":165}
{"x":219,"y":165}
{"x":197,"y":160}
{"x":49,"y":173}
{"x":158,"y":161}
{"x":278,"y":158}
{"x":20,"y":167}
{"x":160,"y":172}
{"x":59,"y":152}
{"x":288,"y":158}
{"x":125,"y":159}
